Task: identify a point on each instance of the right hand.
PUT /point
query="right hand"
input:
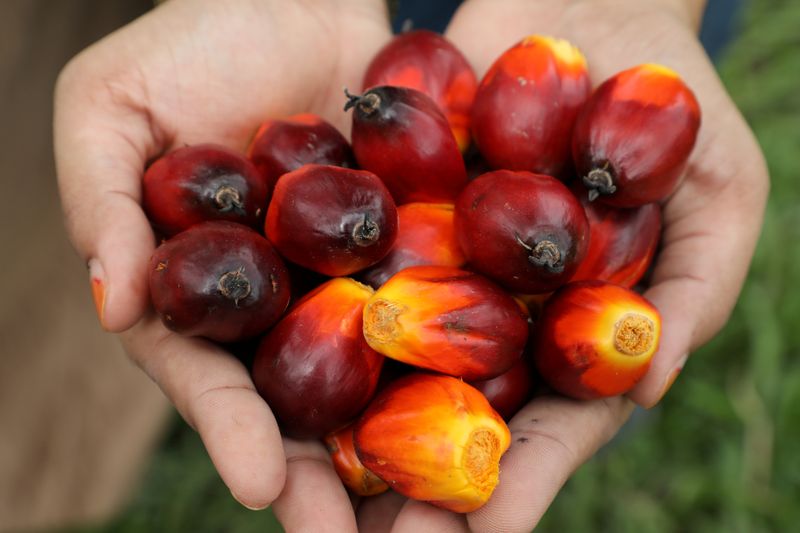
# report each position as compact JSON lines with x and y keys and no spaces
{"x":185,"y":73}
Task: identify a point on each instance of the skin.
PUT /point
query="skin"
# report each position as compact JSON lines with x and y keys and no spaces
{"x":192,"y":72}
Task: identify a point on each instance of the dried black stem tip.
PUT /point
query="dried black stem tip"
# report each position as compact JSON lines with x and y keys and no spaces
{"x":367,"y":104}
{"x":234,"y":285}
{"x":599,"y":181}
{"x":228,"y":199}
{"x":544,"y":254}
{"x":366,"y":232}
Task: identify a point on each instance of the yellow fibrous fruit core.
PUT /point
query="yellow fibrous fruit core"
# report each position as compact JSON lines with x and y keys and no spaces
{"x":634,"y":334}
{"x":482,"y":460}
{"x":380,"y":320}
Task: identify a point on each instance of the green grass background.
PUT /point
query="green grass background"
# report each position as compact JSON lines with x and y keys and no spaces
{"x":722,"y":452}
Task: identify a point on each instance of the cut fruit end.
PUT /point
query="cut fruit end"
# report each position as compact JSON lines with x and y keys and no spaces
{"x":634,"y":334}
{"x":599,"y":181}
{"x":228,"y":199}
{"x":234,"y":285}
{"x":546,"y":254}
{"x":482,"y":460}
{"x":380,"y":321}
{"x":366,"y":232}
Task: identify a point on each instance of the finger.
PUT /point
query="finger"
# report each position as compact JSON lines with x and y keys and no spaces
{"x":550,"y":438}
{"x":314,"y":499}
{"x":421,"y":517}
{"x":377,"y":513}
{"x":213,"y":392}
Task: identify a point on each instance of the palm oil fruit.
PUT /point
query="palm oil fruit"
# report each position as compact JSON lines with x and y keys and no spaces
{"x":218,"y":280}
{"x":527,"y":103}
{"x":526,"y":231}
{"x":351,"y":471}
{"x":434,"y":438}
{"x":510,"y":390}
{"x":199,"y":183}
{"x":426,"y":61}
{"x":622,"y":242}
{"x":634,"y":136}
{"x":426,"y":236}
{"x":401,"y":135}
{"x":448,"y":320}
{"x":282,"y":145}
{"x":331,"y":220}
{"x":314,"y":368}
{"x":596,"y":339}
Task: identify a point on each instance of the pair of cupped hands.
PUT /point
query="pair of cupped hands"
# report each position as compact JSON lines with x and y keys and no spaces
{"x":194,"y":71}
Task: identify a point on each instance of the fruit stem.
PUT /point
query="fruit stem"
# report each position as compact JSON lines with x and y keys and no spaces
{"x":234,"y":285}
{"x":367,"y":103}
{"x":599,"y":181}
{"x":366,"y":232}
{"x":634,"y":334}
{"x":227,"y":199}
{"x":544,"y":253}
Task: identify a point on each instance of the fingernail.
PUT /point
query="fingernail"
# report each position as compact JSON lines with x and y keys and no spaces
{"x":97,"y":279}
{"x":672,"y":376}
{"x":247,"y":506}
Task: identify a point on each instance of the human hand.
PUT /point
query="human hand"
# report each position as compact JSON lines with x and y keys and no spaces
{"x":190,"y":72}
{"x":711,"y":225}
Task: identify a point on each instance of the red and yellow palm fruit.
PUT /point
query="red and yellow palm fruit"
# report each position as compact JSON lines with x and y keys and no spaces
{"x":434,"y":438}
{"x":448,"y":320}
{"x":634,"y":136}
{"x":401,"y":135}
{"x":509,"y":391}
{"x":425,"y":236}
{"x":314,"y":368}
{"x":349,"y":468}
{"x":622,"y":242}
{"x":426,"y":61}
{"x":527,"y":103}
{"x":596,"y":339}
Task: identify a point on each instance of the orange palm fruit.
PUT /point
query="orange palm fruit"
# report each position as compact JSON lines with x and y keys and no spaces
{"x":596,"y":339}
{"x":448,"y":320}
{"x":434,"y":438}
{"x":425,"y":236}
{"x":349,"y":468}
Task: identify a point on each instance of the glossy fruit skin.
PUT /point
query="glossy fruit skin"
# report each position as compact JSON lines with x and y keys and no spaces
{"x":509,"y":391}
{"x":426,"y":61}
{"x":448,"y":320}
{"x":434,"y":438}
{"x":331,"y":220}
{"x":349,"y":468}
{"x":634,"y":136}
{"x":401,"y":135}
{"x":218,"y":280}
{"x":526,"y":231}
{"x":426,"y":236}
{"x":282,"y":145}
{"x":527,"y":103}
{"x":314,"y":368}
{"x":199,"y":183}
{"x":622,"y":242}
{"x":596,"y":339}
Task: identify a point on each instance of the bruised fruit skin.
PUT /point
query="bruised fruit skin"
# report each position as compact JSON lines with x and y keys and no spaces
{"x":510,"y":390}
{"x":314,"y":368}
{"x":622,"y":242}
{"x":426,"y":236}
{"x":634,"y":136}
{"x":349,"y":468}
{"x":527,"y":103}
{"x":426,"y":61}
{"x":282,"y":145}
{"x":527,"y":231}
{"x":401,"y":135}
{"x":218,"y":280}
{"x":434,"y":438}
{"x":199,"y":183}
{"x":331,"y":220}
{"x":448,"y":320}
{"x":596,"y":339}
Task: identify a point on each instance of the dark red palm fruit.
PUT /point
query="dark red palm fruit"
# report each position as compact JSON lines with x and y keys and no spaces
{"x":596,"y":339}
{"x":314,"y":368}
{"x":331,"y":220}
{"x":527,"y":103}
{"x":622,"y":242}
{"x":634,"y":136}
{"x":282,"y":145}
{"x":509,"y":391}
{"x":526,"y":231}
{"x":199,"y":183}
{"x":401,"y":135}
{"x":426,"y":236}
{"x":447,"y":320}
{"x":218,"y":280}
{"x":426,"y":61}
{"x":355,"y":476}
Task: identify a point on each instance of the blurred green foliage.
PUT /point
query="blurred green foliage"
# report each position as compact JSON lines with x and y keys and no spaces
{"x":720,"y":453}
